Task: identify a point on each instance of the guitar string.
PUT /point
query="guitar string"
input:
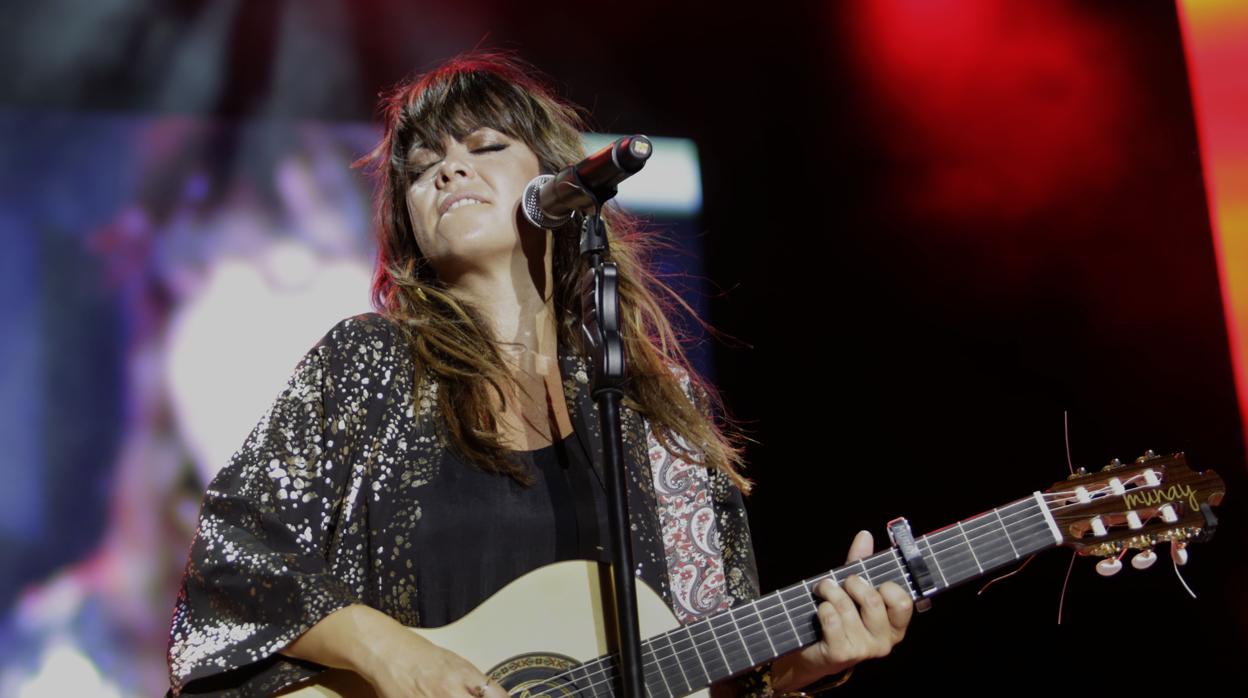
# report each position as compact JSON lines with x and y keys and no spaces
{"x":937,"y":548}
{"x":777,"y":600}
{"x":1066,"y":494}
{"x":731,"y":657}
{"x":609,"y":670}
{"x":606,"y":667}
{"x":700,"y":639}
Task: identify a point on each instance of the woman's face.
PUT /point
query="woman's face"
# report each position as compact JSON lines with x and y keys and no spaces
{"x":464,"y":203}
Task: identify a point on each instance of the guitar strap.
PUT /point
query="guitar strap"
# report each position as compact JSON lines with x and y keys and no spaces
{"x":687,"y":519}
{"x":690,"y":535}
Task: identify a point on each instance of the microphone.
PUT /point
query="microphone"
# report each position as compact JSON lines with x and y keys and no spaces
{"x":550,"y":200}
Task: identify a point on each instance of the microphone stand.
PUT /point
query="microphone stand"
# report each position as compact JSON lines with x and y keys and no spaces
{"x":600,"y":313}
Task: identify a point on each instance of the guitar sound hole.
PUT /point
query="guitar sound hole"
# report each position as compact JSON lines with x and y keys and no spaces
{"x":543,"y":676}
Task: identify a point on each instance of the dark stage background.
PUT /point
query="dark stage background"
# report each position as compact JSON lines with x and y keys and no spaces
{"x":929,"y":231}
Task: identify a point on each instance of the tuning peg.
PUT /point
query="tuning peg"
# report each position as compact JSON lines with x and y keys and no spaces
{"x":1178,"y":552}
{"x":1109,"y":566}
{"x":1144,"y":559}
{"x":1115,"y":463}
{"x":1080,"y":472}
{"x":1148,"y":455}
{"x":1098,"y":526}
{"x":1168,"y":515}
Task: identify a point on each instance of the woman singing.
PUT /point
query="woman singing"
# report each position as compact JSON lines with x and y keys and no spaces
{"x":423,"y":456}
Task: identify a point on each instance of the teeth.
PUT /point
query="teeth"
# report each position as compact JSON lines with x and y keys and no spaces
{"x":463,"y":202}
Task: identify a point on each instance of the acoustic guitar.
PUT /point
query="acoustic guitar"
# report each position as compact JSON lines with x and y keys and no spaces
{"x":542,"y":635}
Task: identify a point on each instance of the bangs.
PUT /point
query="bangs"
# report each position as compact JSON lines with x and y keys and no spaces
{"x":457,"y":104}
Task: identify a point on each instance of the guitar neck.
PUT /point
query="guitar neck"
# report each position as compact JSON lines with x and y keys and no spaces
{"x":696,"y":655}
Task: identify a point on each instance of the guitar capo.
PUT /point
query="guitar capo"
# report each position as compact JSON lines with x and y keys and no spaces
{"x":921,"y":578}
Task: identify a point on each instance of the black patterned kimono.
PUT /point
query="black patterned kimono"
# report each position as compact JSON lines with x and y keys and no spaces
{"x":323,"y":507}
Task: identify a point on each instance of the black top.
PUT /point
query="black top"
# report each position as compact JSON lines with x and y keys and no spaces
{"x":477,"y":519}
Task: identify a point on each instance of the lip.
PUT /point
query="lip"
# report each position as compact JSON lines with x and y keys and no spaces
{"x":450,"y":201}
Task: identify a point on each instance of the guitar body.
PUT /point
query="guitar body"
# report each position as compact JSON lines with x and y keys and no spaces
{"x":535,"y":628}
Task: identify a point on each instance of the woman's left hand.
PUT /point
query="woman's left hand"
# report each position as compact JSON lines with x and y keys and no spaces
{"x":858,"y":622}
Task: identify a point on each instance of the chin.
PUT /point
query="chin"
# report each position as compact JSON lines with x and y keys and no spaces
{"x":470,"y":249}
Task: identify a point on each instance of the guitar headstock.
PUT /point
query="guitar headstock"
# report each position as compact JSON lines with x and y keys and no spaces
{"x":1123,"y":506}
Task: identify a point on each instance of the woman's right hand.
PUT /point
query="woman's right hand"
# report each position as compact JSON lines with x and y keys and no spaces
{"x":396,"y":661}
{"x":401,"y":664}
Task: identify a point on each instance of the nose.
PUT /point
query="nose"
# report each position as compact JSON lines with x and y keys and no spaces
{"x":454,"y":165}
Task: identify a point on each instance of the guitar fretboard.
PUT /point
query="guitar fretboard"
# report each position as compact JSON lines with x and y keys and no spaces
{"x":696,"y":655}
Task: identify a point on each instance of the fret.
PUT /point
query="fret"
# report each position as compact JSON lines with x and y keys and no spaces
{"x":970,"y":547}
{"x":987,"y":550}
{"x":766,"y":631}
{"x":865,"y":574}
{"x":1006,"y":531}
{"x":992,"y":549}
{"x":610,"y":679}
{"x":582,"y":682}
{"x":745,"y":643}
{"x":750,"y":627}
{"x":783,"y":635}
{"x":904,"y":575}
{"x":651,"y":663}
{"x":895,"y":573}
{"x":605,"y":676}
{"x":731,"y":645}
{"x":1031,"y":529}
{"x":1007,"y":538}
{"x":802,"y":597}
{"x":953,"y":554}
{"x":695,"y":648}
{"x":601,"y":677}
{"x":805,"y":633}
{"x":931,"y":557}
{"x":679,"y":666}
{"x":646,"y":684}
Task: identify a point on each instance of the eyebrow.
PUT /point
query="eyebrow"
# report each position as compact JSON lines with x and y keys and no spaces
{"x":418,"y":148}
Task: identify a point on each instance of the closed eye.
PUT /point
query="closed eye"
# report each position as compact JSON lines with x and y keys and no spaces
{"x":417,"y":172}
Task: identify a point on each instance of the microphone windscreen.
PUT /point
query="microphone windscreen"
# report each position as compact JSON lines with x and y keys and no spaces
{"x":533,"y":207}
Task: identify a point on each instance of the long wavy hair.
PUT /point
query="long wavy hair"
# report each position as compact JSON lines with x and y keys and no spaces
{"x":447,"y":337}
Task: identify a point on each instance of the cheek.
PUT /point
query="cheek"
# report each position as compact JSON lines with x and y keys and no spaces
{"x":414,"y":220}
{"x":411,"y":211}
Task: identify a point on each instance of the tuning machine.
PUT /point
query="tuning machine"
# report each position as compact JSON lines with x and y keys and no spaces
{"x":1109,"y":566}
{"x":1144,"y":559}
{"x":1112,"y":465}
{"x":1178,"y":552}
